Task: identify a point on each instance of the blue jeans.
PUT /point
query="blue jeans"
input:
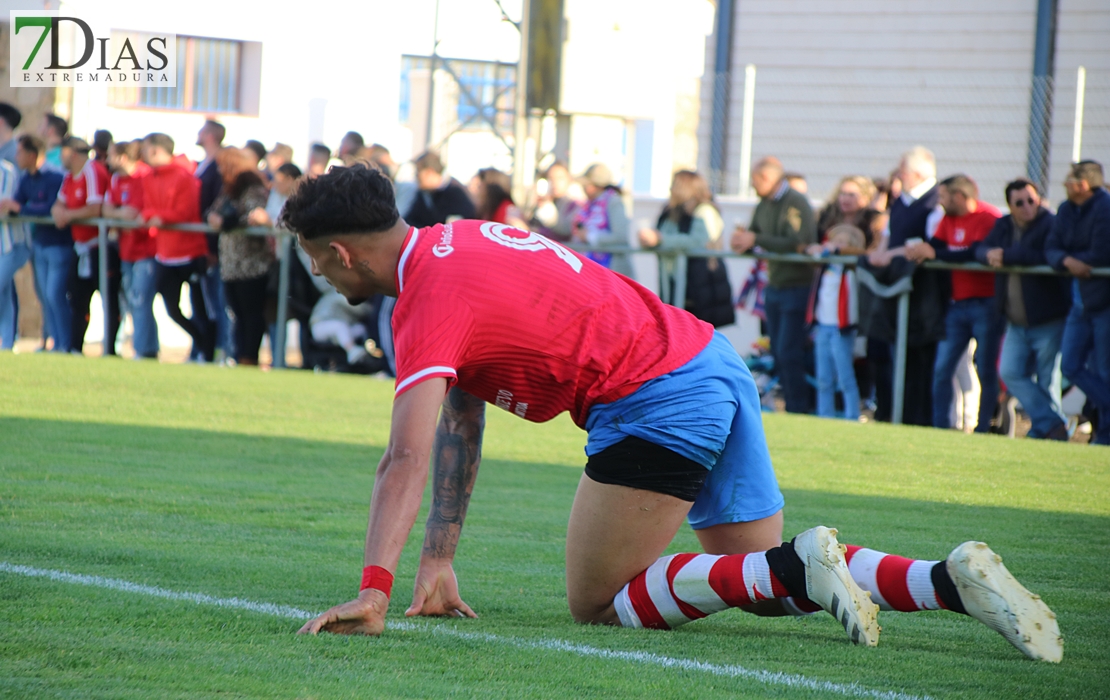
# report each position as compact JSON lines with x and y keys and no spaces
{"x":786,"y":324}
{"x":9,"y":303}
{"x":1083,"y":333}
{"x":1035,"y":350}
{"x":140,"y":284}
{"x":834,"y":355}
{"x":967,"y":319}
{"x":218,"y":322}
{"x":53,"y":264}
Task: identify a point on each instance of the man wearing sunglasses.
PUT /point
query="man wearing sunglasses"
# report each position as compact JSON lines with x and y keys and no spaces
{"x":1034,"y":306}
{"x":1080,"y":242}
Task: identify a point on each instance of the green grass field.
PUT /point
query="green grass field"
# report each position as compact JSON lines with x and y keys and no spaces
{"x":234,"y":483}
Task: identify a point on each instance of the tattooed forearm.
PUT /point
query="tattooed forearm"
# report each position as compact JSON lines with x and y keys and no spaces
{"x":457,"y":452}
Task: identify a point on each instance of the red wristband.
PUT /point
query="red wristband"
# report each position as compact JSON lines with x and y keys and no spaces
{"x":377,"y":577}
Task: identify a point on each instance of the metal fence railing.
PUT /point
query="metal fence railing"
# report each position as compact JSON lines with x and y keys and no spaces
{"x":103,"y":224}
{"x":672,"y":283}
{"x":902,"y":290}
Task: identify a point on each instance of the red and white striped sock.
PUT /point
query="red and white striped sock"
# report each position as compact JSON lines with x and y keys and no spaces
{"x":895,"y":583}
{"x":681,"y":588}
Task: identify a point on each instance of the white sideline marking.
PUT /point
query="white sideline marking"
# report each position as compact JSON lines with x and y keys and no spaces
{"x":128,"y":587}
{"x":728,"y":670}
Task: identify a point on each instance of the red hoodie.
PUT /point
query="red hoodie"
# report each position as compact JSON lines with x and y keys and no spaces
{"x":183,"y":160}
{"x":126,"y":191}
{"x":173,"y":195}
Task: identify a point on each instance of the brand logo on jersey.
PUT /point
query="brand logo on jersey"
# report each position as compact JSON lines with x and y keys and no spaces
{"x":444,"y":248}
{"x":526,"y":240}
{"x":959,"y":235}
{"x":504,"y":401}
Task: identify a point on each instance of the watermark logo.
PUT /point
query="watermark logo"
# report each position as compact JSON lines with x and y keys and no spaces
{"x":49,"y":49}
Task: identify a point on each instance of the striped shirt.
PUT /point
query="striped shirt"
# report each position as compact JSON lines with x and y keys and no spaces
{"x":11,"y":234}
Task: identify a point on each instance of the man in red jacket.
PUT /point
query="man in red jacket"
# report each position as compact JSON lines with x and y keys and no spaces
{"x":136,"y":246}
{"x":971,"y":312}
{"x":171,"y":195}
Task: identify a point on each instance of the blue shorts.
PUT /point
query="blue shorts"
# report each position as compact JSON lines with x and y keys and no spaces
{"x":707,"y":411}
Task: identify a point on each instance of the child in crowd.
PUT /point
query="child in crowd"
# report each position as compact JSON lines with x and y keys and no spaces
{"x":834,"y":311}
{"x":336,"y":321}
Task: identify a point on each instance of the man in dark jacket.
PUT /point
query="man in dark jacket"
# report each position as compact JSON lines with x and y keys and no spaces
{"x":914,"y":218}
{"x":1034,"y":306}
{"x":441,"y":198}
{"x":211,"y":138}
{"x":783,"y":222}
{"x":1080,"y":241}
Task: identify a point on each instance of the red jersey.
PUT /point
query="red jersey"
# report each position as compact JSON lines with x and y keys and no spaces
{"x":87,"y":187}
{"x":506,"y":207}
{"x":126,"y":191}
{"x":521,"y":322}
{"x":172,"y":194}
{"x":960,"y":233}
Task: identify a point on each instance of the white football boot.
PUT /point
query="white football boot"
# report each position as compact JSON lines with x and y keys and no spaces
{"x":993,"y":596}
{"x":830,"y":585}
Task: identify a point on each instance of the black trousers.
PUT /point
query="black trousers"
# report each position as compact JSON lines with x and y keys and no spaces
{"x":81,"y":291}
{"x":170,"y":279}
{"x":880,"y":375}
{"x":918,"y":408}
{"x":247,"y":301}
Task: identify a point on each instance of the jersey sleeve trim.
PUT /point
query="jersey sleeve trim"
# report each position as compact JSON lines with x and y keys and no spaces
{"x":426,"y":373}
{"x":93,"y":193}
{"x":404,"y":258}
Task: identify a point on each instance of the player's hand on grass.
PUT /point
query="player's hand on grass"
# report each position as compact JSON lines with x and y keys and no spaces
{"x":437,"y":591}
{"x":363,"y":615}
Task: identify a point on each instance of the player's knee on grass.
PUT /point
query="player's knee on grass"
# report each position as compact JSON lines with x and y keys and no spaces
{"x":586,"y":613}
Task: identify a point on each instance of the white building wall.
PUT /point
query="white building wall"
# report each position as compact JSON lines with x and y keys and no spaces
{"x":351,"y":84}
{"x":327,"y":71}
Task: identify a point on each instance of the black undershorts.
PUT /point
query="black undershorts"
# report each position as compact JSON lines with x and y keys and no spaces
{"x":640,"y":464}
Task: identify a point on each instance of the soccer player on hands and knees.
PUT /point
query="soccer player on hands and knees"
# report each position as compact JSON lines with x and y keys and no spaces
{"x":490,"y":314}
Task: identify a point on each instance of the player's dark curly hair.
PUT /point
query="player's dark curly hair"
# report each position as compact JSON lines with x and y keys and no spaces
{"x":357,"y":199}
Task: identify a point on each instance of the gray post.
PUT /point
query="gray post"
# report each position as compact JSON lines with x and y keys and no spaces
{"x":722,"y":83}
{"x":678,"y":297}
{"x":432,"y":82}
{"x":283,"y":302}
{"x":900,"y":357}
{"x":665,"y":261}
{"x":102,"y":254}
{"x":520,"y":105}
{"x":1040,"y":106}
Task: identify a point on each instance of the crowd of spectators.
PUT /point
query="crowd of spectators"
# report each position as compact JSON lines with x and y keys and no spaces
{"x":1020,"y":329}
{"x":831,"y":326}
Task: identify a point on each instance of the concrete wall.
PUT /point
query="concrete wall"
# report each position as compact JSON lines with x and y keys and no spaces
{"x":844,"y":87}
